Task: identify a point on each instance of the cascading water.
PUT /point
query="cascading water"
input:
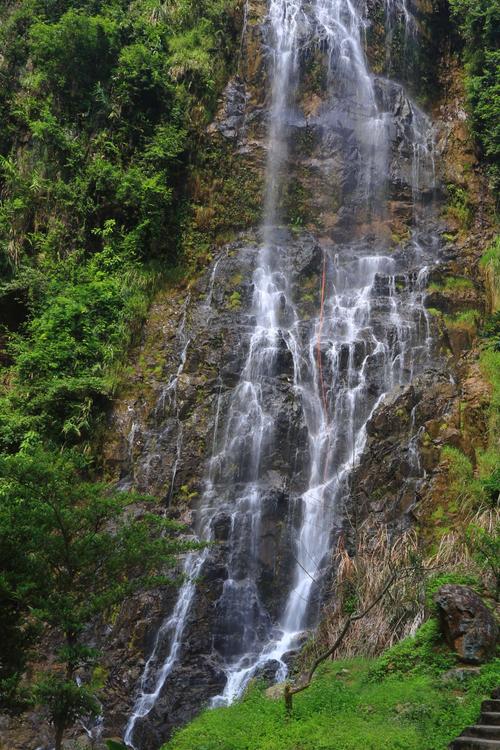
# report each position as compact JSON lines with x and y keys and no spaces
{"x":334,"y":356}
{"x":369,"y":334}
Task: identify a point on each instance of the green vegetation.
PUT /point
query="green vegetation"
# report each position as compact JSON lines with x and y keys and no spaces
{"x":434,"y":312}
{"x":234,"y":301}
{"x":459,"y":206}
{"x":425,"y":653}
{"x":462,"y":497}
{"x":490,"y":263}
{"x":478,"y":23}
{"x":489,"y":460}
{"x":491,"y":257}
{"x":296,"y":204}
{"x":490,"y":363}
{"x":451,"y":284}
{"x":473,"y":491}
{"x":69,"y":554}
{"x":64,"y":360}
{"x":437,"y":580}
{"x":108,"y":190}
{"x":396,"y":701}
{"x":467,"y":320}
{"x":226,"y":196}
{"x":485,"y":549}
{"x":101,"y":105}
{"x":470,"y":488}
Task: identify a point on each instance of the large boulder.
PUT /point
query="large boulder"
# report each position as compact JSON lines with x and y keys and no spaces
{"x":467,"y":624}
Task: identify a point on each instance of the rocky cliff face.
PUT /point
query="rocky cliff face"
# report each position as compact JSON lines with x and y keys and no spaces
{"x":169,"y":418}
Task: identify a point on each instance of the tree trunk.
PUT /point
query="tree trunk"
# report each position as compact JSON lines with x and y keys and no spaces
{"x":59,"y":737}
{"x":306,"y":680}
{"x":288,"y":700}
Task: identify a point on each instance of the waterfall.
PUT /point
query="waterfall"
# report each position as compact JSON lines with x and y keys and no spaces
{"x":369,"y":334}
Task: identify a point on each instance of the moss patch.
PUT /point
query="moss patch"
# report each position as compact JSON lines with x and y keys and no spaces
{"x":466,"y":320}
{"x":451,"y":284}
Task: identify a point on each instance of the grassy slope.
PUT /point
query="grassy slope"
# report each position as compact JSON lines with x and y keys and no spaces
{"x":395,"y":702}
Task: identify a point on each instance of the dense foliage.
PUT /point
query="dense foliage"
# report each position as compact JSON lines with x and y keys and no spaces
{"x":479,"y":26}
{"x":72,"y":553}
{"x":101,"y":105}
{"x":487,"y":550}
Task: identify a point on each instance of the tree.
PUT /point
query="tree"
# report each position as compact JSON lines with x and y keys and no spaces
{"x":305,"y":680}
{"x":80,"y":550}
{"x":73,"y":56}
{"x":16,"y":635}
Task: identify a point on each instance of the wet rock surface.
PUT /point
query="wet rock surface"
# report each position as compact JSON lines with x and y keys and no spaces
{"x":467,"y":624}
{"x":206,"y":344}
{"x":172,"y":420}
{"x":217,"y":344}
{"x":387,"y":483}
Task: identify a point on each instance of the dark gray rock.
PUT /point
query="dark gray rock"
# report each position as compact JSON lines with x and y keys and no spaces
{"x":386,"y":484}
{"x":467,"y":624}
{"x":267,"y":672}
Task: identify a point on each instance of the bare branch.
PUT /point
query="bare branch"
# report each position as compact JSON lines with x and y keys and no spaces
{"x":305,"y":682}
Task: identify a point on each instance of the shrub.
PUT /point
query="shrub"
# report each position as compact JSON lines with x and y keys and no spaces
{"x":93,"y":166}
{"x":478,"y":22}
{"x":459,"y":206}
{"x":451,"y":284}
{"x":464,"y":489}
{"x":424,"y":653}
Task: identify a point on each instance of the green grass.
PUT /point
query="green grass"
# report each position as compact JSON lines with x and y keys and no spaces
{"x":234,"y":301}
{"x":490,"y":365}
{"x":492,"y":256}
{"x":451,"y":284}
{"x":490,"y":263}
{"x":459,"y":206}
{"x":464,"y":489}
{"x":396,"y":702}
{"x":468,"y":319}
{"x":490,"y":355}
